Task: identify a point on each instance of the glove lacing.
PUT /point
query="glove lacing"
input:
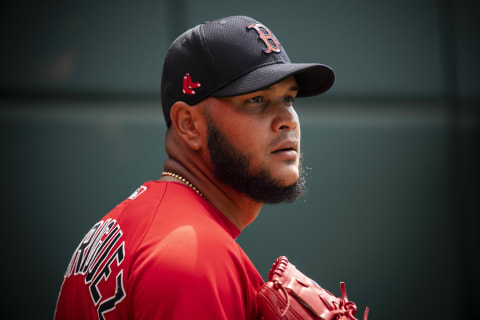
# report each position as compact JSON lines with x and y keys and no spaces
{"x":278,"y":285}
{"x":345,"y":308}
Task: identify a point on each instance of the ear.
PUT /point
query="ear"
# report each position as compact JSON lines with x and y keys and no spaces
{"x":187,"y":122}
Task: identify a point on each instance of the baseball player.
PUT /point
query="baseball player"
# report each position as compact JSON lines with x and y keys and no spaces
{"x":168,"y":251}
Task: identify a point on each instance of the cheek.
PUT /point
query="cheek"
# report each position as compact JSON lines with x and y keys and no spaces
{"x":244,"y":134}
{"x":249,"y":135}
{"x":253,"y":144}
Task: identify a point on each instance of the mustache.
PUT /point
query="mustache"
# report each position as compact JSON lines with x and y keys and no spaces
{"x":290,"y":135}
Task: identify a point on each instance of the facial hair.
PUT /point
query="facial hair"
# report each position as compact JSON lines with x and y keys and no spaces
{"x":231,"y":166}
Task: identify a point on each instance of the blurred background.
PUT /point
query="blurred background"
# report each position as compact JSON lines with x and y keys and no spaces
{"x":391,"y":151}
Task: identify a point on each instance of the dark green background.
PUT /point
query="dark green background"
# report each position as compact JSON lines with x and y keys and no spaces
{"x":391,"y":150}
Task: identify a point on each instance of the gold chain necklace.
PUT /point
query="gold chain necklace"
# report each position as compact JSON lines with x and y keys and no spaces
{"x":188,"y":183}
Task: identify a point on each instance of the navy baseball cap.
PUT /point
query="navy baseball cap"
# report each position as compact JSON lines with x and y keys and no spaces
{"x":229,"y":57}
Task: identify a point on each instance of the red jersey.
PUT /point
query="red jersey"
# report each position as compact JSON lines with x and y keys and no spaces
{"x":163,"y":253}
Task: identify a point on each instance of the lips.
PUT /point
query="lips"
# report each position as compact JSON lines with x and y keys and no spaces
{"x":287,"y":149}
{"x":286,"y":146}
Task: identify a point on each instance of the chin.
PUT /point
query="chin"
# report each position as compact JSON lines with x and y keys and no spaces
{"x":286,"y":178}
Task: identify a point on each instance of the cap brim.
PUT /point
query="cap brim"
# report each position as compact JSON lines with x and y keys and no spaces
{"x":312,"y":78}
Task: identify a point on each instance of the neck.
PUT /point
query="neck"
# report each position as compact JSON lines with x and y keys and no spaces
{"x":237,"y":207}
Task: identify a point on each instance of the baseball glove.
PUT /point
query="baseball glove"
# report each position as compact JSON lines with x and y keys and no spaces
{"x":289,"y":294}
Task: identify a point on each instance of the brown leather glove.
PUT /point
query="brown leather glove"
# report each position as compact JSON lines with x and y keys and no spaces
{"x":289,"y":294}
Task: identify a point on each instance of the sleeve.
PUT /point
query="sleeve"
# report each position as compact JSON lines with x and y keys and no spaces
{"x":175,"y":295}
{"x":176,"y":279}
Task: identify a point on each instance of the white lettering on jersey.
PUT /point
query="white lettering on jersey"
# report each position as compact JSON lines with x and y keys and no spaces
{"x":94,"y":258}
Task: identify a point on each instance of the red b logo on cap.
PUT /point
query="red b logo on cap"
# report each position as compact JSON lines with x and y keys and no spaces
{"x":266,"y":35}
{"x":189,"y":85}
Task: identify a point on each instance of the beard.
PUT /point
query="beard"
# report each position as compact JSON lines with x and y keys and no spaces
{"x":232,"y":167}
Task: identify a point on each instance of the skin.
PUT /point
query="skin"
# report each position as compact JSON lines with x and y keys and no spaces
{"x":263,"y":124}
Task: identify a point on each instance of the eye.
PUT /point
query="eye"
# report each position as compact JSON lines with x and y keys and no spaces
{"x":289,"y":99}
{"x":257,"y":99}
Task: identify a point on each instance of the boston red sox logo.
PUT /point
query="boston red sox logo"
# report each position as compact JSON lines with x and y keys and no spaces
{"x":189,"y":85}
{"x":268,"y":38}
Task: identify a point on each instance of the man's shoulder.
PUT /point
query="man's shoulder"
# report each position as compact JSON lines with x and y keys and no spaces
{"x":166,"y":225}
{"x":186,"y":231}
{"x":188,"y":224}
{"x":159,"y":211}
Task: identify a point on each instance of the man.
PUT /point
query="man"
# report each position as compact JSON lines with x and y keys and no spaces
{"x":233,"y":144}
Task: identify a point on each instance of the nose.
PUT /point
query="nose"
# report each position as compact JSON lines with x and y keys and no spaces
{"x":286,"y":119}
